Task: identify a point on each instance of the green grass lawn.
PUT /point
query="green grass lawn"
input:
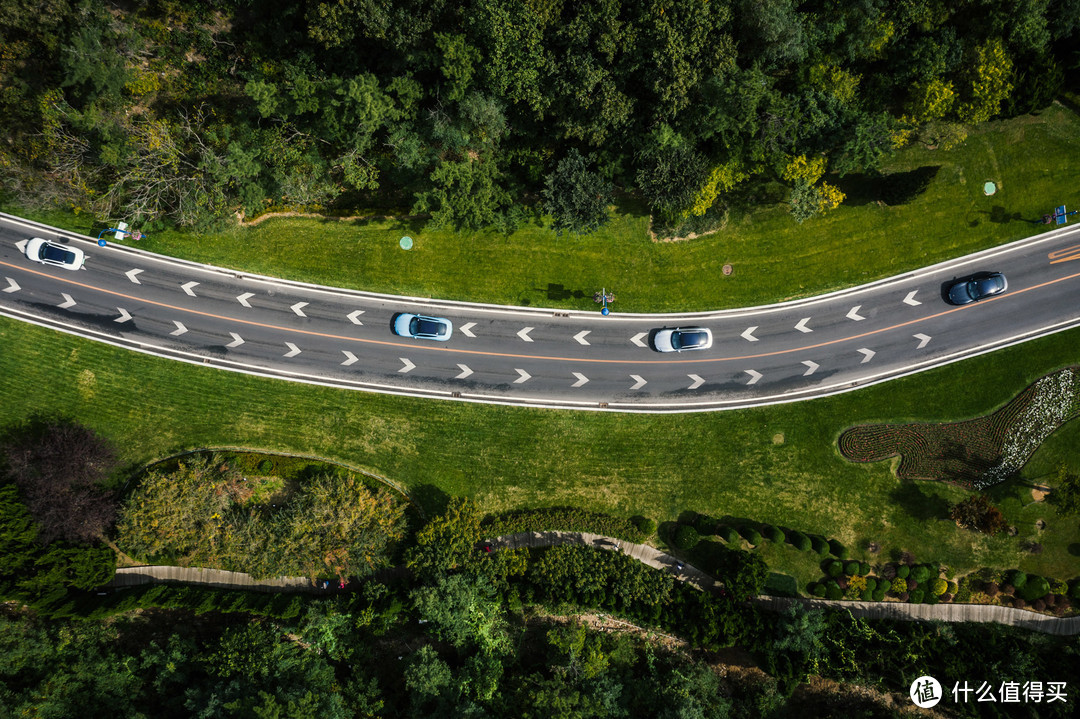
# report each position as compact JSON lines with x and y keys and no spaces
{"x":778,"y":465}
{"x":1032,"y":160}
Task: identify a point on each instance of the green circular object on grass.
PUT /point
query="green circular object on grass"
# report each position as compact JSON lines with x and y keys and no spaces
{"x":989,"y":188}
{"x":405,"y":243}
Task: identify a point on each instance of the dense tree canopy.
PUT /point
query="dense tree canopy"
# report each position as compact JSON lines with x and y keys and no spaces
{"x":189,"y":111}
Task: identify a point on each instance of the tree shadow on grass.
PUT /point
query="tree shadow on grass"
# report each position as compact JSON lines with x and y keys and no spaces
{"x":920,"y":505}
{"x":898,"y":188}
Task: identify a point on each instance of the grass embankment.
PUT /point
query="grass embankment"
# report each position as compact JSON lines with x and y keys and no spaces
{"x":778,"y":465}
{"x":1032,"y":160}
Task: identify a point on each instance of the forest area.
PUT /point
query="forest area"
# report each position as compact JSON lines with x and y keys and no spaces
{"x":490,"y":112}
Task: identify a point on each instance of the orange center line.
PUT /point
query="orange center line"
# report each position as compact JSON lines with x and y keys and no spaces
{"x":453,"y":350}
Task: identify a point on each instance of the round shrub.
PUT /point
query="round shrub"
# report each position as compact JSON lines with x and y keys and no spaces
{"x":916,"y":596}
{"x":728,"y":534}
{"x":879,"y":594}
{"x":1074,"y":589}
{"x":774,"y":534}
{"x":266,"y":466}
{"x":871,"y":583}
{"x":1038,"y":605}
{"x":1058,"y":587}
{"x":839,"y":550}
{"x":706,"y":525}
{"x":1019,"y":603}
{"x":1008,"y":589}
{"x":800,"y":541}
{"x":898,"y":586}
{"x":889,"y":571}
{"x":946,"y":597}
{"x":864,"y":568}
{"x":952,"y":587}
{"x":1036,"y":587}
{"x":834,"y":568}
{"x":930,"y":598}
{"x":903,"y":597}
{"x":911,"y":584}
{"x":867,"y":595}
{"x":752,"y":535}
{"x":686,"y":537}
{"x":903,"y":571}
{"x":820,"y":545}
{"x":818,"y":590}
{"x":645,"y":525}
{"x":834,"y":593}
{"x":991,"y":589}
{"x":920,"y":573}
{"x":851,"y":569}
{"x":938,"y":587}
{"x":1017,"y":578}
{"x":830,"y":584}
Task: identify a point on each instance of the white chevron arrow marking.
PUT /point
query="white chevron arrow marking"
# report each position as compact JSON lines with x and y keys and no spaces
{"x":524,"y":334}
{"x":409,"y":366}
{"x":754,"y":376}
{"x":581,"y":379}
{"x":923,"y":339}
{"x":68,"y":302}
{"x":131,"y":276}
{"x":180,"y":329}
{"x":749,"y":334}
{"x":124,"y":316}
{"x":354,"y":315}
{"x":237,"y":340}
{"x":13,"y":286}
{"x":639,"y":381}
{"x":698,"y":381}
{"x":293,"y":350}
{"x":854,"y":313}
{"x":523,"y":375}
{"x":350,"y":358}
{"x":910,"y":299}
{"x":243,"y":299}
{"x":21,"y":244}
{"x":298,"y":308}
{"x":810,"y":368}
{"x":867,"y":355}
{"x":466,"y":329}
{"x":802,"y":325}
{"x":465,"y":372}
{"x":190,"y":287}
{"x":580,"y":336}
{"x":638,"y":339}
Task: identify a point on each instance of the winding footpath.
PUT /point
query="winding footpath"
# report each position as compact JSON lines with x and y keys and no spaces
{"x":984,"y":613}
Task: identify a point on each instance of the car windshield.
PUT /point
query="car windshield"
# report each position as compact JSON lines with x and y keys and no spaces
{"x":428,"y":327}
{"x":56,"y":254}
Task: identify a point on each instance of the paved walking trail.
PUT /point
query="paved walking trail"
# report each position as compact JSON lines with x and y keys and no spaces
{"x":130,"y":576}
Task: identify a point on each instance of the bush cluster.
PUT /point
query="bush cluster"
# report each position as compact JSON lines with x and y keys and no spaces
{"x":567,"y":519}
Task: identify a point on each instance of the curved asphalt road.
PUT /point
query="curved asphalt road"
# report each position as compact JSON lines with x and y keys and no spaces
{"x":540,"y":357}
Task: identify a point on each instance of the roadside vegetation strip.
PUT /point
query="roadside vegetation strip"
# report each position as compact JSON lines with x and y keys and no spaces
{"x":975,"y":453}
{"x":1032,"y":158}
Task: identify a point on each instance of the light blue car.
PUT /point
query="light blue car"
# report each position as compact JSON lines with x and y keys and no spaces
{"x":421,"y":327}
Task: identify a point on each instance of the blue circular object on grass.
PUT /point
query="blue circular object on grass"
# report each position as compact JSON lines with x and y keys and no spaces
{"x":605,"y":312}
{"x":405,"y":243}
{"x":102,"y":243}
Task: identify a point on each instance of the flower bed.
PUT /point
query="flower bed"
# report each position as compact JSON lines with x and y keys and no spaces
{"x":978,"y":452}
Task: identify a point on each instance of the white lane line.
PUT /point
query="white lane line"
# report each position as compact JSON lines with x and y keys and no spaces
{"x":124,"y":315}
{"x":354,"y":317}
{"x":748,"y":335}
{"x":867,"y":355}
{"x":698,"y":381}
{"x":466,"y":329}
{"x":465,"y":371}
{"x":854,"y":313}
{"x":923,"y":339}
{"x":910,"y":299}
{"x":754,"y":376}
{"x":243,"y":299}
{"x":811,"y":367}
{"x":524,"y":334}
{"x":523,"y":376}
{"x":409,"y":366}
{"x":350,"y":358}
{"x":293,"y":350}
{"x":68,"y":302}
{"x":639,"y":381}
{"x":638,"y":339}
{"x":190,"y":287}
{"x":581,"y":379}
{"x":580,"y":336}
{"x":180,"y":329}
{"x":802,"y":325}
{"x":131,"y":276}
{"x":237,"y":340}
{"x":13,"y":286}
{"x":298,"y":308}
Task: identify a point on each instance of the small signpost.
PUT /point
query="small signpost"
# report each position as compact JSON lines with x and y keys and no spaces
{"x":603,"y":297}
{"x":120,"y":232}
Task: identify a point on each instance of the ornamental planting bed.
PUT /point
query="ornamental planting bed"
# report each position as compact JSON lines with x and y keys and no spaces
{"x":975,"y":453}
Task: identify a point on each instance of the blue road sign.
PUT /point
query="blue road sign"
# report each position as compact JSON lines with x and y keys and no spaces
{"x":1060,"y":215}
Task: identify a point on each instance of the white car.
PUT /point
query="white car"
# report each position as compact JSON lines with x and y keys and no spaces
{"x":421,"y":327}
{"x":682,"y":339}
{"x":53,"y":253}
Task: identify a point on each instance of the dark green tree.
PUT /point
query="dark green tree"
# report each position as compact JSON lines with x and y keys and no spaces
{"x":576,"y":197}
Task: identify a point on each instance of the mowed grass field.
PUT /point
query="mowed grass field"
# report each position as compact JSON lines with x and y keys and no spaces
{"x":1031,"y":159}
{"x":777,"y":465}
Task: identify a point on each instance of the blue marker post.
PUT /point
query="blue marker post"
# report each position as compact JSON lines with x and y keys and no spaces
{"x":604,"y":297}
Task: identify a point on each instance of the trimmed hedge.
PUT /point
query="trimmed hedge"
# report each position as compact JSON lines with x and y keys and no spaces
{"x":1017,"y":578}
{"x":838,"y":549}
{"x":903,"y":571}
{"x":800,"y":541}
{"x":820,"y":545}
{"x":871,"y":583}
{"x":818,"y":590}
{"x":864,"y":569}
{"x":879,"y":594}
{"x":834,"y":593}
{"x":774,"y":534}
{"x":728,"y":534}
{"x":938,"y":587}
{"x":834,"y":568}
{"x":562,"y":519}
{"x":851,"y":569}
{"x":751,"y":535}
{"x":782,"y":584}
{"x":686,"y":537}
{"x":1036,"y":587}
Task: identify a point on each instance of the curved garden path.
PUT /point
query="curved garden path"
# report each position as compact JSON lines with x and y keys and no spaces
{"x":986,"y":613}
